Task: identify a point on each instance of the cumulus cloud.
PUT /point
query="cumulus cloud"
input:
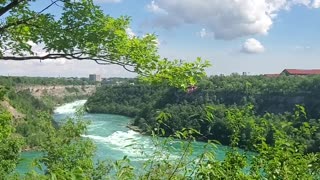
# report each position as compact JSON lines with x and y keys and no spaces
{"x":316,"y":4}
{"x":154,"y":8}
{"x":204,"y":33}
{"x":252,"y":46}
{"x":227,"y":19}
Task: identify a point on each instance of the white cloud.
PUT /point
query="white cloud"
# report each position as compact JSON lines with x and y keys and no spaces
{"x":227,"y":19}
{"x":252,"y":46}
{"x":130,"y":33}
{"x":316,"y":4}
{"x":291,"y":3}
{"x":154,"y":8}
{"x":204,"y":33}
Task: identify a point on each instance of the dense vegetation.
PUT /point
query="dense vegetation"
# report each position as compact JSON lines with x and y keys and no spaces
{"x":104,"y":39}
{"x":274,"y":99}
{"x":28,"y":125}
{"x":25,"y":81}
{"x":283,"y":141}
{"x":68,"y":156}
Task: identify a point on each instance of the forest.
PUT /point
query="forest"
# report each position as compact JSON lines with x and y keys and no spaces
{"x":286,"y":99}
{"x":31,"y":108}
{"x":24,"y":81}
{"x":286,"y":142}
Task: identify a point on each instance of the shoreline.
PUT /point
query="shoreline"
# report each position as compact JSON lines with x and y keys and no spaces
{"x":55,"y":124}
{"x":135,"y":128}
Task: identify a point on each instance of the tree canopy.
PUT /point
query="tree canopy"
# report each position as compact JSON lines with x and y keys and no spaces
{"x":79,"y":30}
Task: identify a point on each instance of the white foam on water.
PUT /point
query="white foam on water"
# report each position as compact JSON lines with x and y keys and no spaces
{"x":128,"y":142}
{"x":70,"y":108}
{"x":95,"y":125}
{"x":133,"y":145}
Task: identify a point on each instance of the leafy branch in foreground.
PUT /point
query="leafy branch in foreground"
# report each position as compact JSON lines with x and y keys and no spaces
{"x":83,"y":32}
{"x":10,"y":144}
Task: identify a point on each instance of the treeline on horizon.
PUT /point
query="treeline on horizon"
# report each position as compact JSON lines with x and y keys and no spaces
{"x":25,"y":80}
{"x":285,"y":103}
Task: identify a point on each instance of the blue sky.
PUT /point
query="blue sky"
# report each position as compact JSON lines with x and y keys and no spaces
{"x":258,"y":37}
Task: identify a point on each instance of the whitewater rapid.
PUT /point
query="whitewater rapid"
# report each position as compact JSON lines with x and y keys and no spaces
{"x":114,"y":140}
{"x":69,"y":108}
{"x":109,"y":132}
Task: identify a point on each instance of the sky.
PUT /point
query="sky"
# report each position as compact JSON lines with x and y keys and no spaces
{"x":252,"y":36}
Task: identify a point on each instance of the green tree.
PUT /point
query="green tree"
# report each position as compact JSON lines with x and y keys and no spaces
{"x":10,"y":145}
{"x":83,"y":32}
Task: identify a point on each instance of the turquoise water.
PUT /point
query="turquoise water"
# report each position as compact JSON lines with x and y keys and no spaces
{"x":25,"y":164}
{"x":114,"y":140}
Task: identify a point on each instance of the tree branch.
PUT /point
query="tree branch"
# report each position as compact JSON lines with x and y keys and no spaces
{"x":74,"y":56}
{"x":52,"y":3}
{"x":25,"y":21}
{"x":124,"y":66}
{"x":9,"y":6}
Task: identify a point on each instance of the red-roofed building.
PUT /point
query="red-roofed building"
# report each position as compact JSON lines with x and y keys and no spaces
{"x":301,"y":72}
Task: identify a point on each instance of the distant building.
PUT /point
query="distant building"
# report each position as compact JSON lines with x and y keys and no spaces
{"x":95,"y":77}
{"x":296,"y":72}
{"x":301,"y":72}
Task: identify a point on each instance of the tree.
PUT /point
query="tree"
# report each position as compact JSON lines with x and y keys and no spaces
{"x":10,"y":145}
{"x":83,"y":32}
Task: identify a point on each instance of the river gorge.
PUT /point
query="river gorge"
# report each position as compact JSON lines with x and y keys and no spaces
{"x":114,"y":140}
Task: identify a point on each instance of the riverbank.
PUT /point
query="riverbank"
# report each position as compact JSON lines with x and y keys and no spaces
{"x":136,"y":129}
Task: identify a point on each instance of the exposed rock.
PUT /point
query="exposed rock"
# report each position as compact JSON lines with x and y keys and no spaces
{"x":12,"y":110}
{"x":60,"y":91}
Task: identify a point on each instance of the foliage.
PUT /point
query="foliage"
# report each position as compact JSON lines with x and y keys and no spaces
{"x":281,"y":141}
{"x":12,"y":81}
{"x":69,"y":156}
{"x":256,"y":98}
{"x":29,"y":124}
{"x":3,"y":92}
{"x":26,"y":103}
{"x":10,"y":145}
{"x":83,"y":32}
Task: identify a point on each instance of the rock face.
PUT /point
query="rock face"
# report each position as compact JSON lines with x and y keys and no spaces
{"x":39,"y":91}
{"x":12,"y":110}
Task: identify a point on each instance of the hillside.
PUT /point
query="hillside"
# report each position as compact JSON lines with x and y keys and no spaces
{"x":31,"y":102}
{"x":291,"y":100}
{"x":15,"y":113}
{"x":58,"y":91}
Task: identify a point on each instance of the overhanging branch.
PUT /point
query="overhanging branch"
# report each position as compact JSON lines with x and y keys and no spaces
{"x":75,"y":56}
{"x":22,"y":21}
{"x":9,"y":6}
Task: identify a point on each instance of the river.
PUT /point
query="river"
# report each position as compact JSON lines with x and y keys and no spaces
{"x":113,"y":139}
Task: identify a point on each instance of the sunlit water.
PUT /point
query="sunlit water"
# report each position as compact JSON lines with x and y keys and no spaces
{"x":113,"y":139}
